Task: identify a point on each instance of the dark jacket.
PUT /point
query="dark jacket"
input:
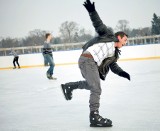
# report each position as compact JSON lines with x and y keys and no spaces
{"x":105,"y":34}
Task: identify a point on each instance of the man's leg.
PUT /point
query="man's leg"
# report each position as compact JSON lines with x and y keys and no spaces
{"x":68,"y":88}
{"x":14,"y":60}
{"x":45,"y":61}
{"x":17,"y":61}
{"x":89,"y":70}
{"x":51,"y":68}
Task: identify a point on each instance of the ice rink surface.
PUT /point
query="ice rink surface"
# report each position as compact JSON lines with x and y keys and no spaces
{"x":31,"y":102}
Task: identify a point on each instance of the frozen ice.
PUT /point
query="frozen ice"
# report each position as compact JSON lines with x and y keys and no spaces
{"x":31,"y":102}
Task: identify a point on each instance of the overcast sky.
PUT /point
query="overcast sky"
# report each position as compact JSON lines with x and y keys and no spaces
{"x":18,"y":17}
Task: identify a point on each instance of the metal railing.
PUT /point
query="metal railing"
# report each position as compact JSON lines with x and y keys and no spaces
{"x":74,"y":46}
{"x":38,"y":49}
{"x":154,"y":39}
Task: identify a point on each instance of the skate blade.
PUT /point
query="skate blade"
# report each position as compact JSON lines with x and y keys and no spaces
{"x":100,"y":125}
{"x":63,"y":90}
{"x":53,"y":79}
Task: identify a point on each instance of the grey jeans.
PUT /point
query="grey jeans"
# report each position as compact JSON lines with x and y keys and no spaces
{"x":89,"y":71}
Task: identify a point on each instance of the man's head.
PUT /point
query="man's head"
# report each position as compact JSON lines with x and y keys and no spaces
{"x":48,"y":36}
{"x":122,"y":37}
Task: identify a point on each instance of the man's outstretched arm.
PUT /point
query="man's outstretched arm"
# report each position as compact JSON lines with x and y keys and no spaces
{"x":117,"y":70}
{"x":100,"y":28}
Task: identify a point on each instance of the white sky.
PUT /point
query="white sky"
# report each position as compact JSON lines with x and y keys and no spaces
{"x":18,"y":17}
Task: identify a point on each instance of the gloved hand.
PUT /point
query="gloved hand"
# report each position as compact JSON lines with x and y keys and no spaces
{"x":89,"y":6}
{"x":124,"y":74}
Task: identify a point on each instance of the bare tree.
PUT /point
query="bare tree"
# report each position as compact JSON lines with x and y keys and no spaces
{"x":140,"y":32}
{"x":84,"y":35}
{"x":9,"y":42}
{"x":123,"y":25}
{"x":36,"y":37}
{"x":37,"y":32}
{"x":146,"y":31}
{"x":68,"y":30}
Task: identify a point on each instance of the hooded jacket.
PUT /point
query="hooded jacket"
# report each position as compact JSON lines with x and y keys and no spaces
{"x":105,"y":34}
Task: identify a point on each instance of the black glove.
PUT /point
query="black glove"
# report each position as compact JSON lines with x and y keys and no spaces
{"x":89,"y":6}
{"x":124,"y":74}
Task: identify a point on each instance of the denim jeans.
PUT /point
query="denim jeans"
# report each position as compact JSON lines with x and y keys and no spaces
{"x":49,"y":59}
{"x":45,"y":61}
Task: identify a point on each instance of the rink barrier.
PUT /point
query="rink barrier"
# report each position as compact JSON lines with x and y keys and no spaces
{"x":74,"y":63}
{"x":61,"y":58}
{"x":146,"y":58}
{"x":35,"y":66}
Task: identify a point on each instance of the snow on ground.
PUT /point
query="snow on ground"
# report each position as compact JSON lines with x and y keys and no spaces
{"x":31,"y":102}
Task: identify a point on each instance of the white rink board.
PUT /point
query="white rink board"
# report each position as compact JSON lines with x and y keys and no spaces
{"x":69,"y":57}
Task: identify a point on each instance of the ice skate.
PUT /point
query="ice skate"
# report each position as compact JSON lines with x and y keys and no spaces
{"x":51,"y":77}
{"x":68,"y":88}
{"x":98,"y":121}
{"x":48,"y":75}
{"x":67,"y":91}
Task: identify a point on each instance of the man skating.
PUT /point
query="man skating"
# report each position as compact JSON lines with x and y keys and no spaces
{"x":48,"y":56}
{"x":98,"y":57}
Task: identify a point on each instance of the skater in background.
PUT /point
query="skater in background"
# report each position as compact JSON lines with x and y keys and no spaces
{"x":15,"y":59}
{"x":48,"y":56}
{"x":98,"y":57}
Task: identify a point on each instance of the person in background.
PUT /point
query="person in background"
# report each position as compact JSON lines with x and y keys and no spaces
{"x":99,"y":55}
{"x":48,"y":56}
{"x":15,"y":60}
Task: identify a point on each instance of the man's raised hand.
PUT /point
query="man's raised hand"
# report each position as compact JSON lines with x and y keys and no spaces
{"x":89,"y":6}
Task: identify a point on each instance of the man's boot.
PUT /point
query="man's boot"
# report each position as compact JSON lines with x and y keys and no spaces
{"x":98,"y":121}
{"x":68,"y":88}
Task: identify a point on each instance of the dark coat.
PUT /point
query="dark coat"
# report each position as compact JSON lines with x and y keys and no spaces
{"x":105,"y":34}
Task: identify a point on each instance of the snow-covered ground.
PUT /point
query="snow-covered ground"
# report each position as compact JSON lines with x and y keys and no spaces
{"x":31,"y":102}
